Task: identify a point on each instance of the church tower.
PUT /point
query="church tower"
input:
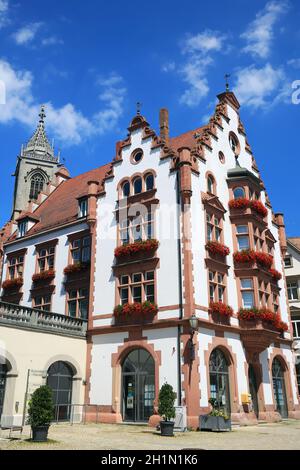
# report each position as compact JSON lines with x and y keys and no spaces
{"x":36,"y":166}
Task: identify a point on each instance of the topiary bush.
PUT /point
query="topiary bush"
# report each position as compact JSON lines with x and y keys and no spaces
{"x":166,"y":400}
{"x":41,"y":407}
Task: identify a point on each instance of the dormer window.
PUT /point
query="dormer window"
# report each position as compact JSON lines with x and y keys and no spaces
{"x":83,"y":207}
{"x":23,"y":228}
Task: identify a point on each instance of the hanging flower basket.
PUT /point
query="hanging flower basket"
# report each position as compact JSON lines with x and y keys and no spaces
{"x":137,"y":308}
{"x":44,"y":275}
{"x":221,"y":309}
{"x":143,"y":246}
{"x":12,"y":283}
{"x":216,"y":248}
{"x":264,"y":314}
{"x":241,"y":203}
{"x":264,"y":259}
{"x":244,"y":256}
{"x":276,"y":275}
{"x":75,"y":268}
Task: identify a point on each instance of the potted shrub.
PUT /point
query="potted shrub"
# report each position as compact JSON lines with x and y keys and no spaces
{"x":216,"y":420}
{"x":40,"y":413}
{"x":166,"y":409}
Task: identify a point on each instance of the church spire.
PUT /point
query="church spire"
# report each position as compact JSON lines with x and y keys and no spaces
{"x":39,"y":146}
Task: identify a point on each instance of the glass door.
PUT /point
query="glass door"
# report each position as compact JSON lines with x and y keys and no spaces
{"x":129,"y":397}
{"x":253,"y":389}
{"x":279,"y":388}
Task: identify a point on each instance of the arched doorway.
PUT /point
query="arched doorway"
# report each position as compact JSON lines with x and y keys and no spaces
{"x":219,"y":380}
{"x":60,"y":380}
{"x":253,"y":388}
{"x":3,"y":373}
{"x":279,"y":388}
{"x":138,"y":386}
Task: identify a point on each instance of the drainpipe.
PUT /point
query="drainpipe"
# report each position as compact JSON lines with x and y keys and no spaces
{"x":178,"y":201}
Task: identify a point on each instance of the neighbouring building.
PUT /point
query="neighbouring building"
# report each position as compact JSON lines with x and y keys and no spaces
{"x":292,"y":273}
{"x":172,"y":257}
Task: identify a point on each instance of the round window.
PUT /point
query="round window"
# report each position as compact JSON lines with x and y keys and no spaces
{"x":137,"y":156}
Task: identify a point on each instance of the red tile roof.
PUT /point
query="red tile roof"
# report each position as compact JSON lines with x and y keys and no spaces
{"x":295,"y":241}
{"x":185,"y":140}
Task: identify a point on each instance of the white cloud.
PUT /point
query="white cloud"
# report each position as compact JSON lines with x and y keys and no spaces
{"x":4,"y":7}
{"x":51,"y":41}
{"x":295,"y":63}
{"x":26,"y":34}
{"x":260,"y":32}
{"x":198,"y":51}
{"x":168,"y":67}
{"x":66,"y":123}
{"x":260,"y":87}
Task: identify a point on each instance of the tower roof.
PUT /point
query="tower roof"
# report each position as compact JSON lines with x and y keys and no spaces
{"x":39,"y":146}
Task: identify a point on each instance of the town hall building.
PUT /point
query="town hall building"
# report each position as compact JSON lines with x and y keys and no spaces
{"x":164,"y":265}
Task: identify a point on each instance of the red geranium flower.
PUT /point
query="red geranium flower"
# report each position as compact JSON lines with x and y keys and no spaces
{"x":136,"y":247}
{"x":244,"y":256}
{"x":10,"y":283}
{"x":259,"y":208}
{"x":216,"y":248}
{"x":241,"y":203}
{"x":221,"y":308}
{"x":276,"y":275}
{"x":264,"y":259}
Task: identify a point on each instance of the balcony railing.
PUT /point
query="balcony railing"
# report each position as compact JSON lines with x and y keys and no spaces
{"x":296,"y":329}
{"x":34,"y":319}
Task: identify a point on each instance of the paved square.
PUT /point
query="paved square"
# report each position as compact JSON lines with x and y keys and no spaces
{"x":284,"y":435}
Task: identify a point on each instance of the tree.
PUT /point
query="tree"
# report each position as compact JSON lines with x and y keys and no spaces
{"x":166,"y":400}
{"x":41,"y":408}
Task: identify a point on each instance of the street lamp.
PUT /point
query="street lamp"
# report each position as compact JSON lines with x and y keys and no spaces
{"x":193,"y":320}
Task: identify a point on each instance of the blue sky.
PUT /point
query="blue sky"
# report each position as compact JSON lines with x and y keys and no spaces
{"x":91,"y":61}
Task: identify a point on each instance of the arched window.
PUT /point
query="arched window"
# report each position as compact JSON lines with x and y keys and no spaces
{"x":149,"y":181}
{"x":126,"y":189}
{"x":210,"y":184}
{"x":36,"y":185}
{"x":137,"y":185}
{"x":238,"y":193}
{"x":279,"y":388}
{"x":219,"y":380}
{"x":3,"y":373}
{"x":234,"y":143}
{"x":138,"y":385}
{"x":60,"y":379}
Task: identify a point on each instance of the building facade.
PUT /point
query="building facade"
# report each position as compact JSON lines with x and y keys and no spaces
{"x":173,"y":231}
{"x":292,"y":272}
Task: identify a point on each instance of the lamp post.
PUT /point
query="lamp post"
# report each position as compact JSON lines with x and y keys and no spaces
{"x":193,"y":320}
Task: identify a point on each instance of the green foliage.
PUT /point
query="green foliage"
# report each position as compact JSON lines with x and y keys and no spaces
{"x":166,"y":400}
{"x":41,"y":407}
{"x":216,"y":411}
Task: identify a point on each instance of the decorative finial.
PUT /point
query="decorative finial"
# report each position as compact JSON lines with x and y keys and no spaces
{"x":42,"y":114}
{"x":227,"y":75}
{"x":138,"y":108}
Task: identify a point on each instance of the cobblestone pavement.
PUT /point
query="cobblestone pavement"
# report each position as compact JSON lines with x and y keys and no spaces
{"x":284,"y":435}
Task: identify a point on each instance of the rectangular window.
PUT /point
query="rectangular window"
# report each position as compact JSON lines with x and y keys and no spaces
{"x":242,"y":237}
{"x":213,"y":228}
{"x":83,"y":207}
{"x":293,"y":292}
{"x":138,"y":287}
{"x":22,"y":228}
{"x":288,"y":262}
{"x":81,"y":250}
{"x":42,"y":302}
{"x":216,"y":286}
{"x":46,"y":259}
{"x":78,"y":303}
{"x":140,"y":227}
{"x":16,"y":267}
{"x":247,"y":292}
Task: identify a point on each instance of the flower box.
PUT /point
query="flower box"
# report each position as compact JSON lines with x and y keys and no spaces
{"x":214,"y":423}
{"x":143,"y":246}
{"x":44,"y":275}
{"x":216,"y":248}
{"x":265,"y":315}
{"x":264,"y":259}
{"x":12,"y":283}
{"x":243,"y":203}
{"x":75,"y":268}
{"x":135,"y":313}
{"x":276,"y":275}
{"x":221,"y":309}
{"x":250,"y":257}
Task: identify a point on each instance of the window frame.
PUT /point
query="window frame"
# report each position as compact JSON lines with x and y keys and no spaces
{"x":130,"y":285}
{"x":77,"y":299}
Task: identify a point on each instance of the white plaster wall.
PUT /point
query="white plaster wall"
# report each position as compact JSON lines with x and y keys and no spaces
{"x":101,"y":371}
{"x":165,"y":340}
{"x":237,"y":348}
{"x":61,"y":261}
{"x":168,"y":271}
{"x":36,"y":350}
{"x":266,"y":375}
{"x":290,"y":359}
{"x":293,"y":273}
{"x":204,"y":337}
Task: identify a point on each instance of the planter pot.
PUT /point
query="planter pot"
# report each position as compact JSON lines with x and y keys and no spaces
{"x":167,"y":428}
{"x":40,"y":433}
{"x":214,"y":423}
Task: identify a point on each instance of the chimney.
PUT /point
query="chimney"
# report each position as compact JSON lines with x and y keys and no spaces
{"x":281,"y":232}
{"x":164,"y":125}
